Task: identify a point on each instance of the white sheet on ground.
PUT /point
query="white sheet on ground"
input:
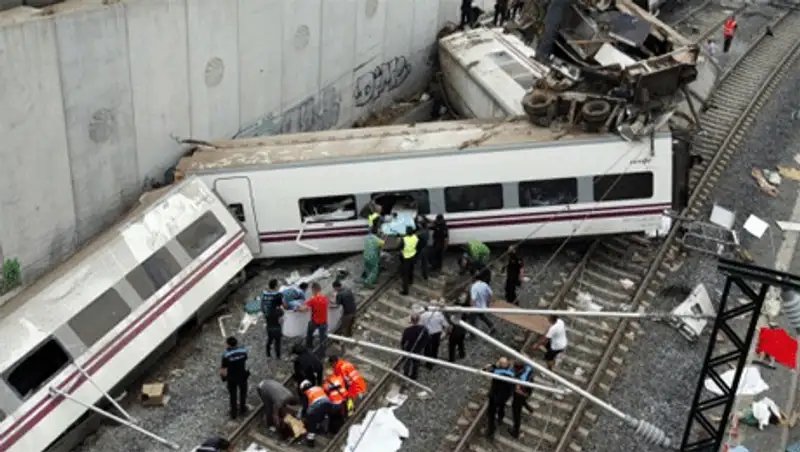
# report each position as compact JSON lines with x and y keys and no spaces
{"x":384,"y":433}
{"x":255,"y":448}
{"x":750,"y":384}
{"x":762,"y":411}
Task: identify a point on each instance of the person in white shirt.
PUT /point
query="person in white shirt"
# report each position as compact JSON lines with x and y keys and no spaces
{"x":436,"y":323}
{"x":480,"y":295}
{"x":555,"y":340}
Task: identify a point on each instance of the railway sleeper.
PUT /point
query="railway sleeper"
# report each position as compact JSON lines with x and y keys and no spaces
{"x":618,"y":273}
{"x":601,"y":326}
{"x":610,"y":292}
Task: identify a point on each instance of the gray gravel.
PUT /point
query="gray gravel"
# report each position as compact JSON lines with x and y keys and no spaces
{"x":662,"y":370}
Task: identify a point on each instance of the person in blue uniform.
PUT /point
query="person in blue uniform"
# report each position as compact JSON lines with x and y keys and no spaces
{"x":499,"y":393}
{"x":524,"y":373}
{"x":233,"y":371}
{"x":272,"y":307}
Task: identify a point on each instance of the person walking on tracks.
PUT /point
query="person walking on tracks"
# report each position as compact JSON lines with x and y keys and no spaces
{"x":345,"y":299}
{"x":372,"y":256}
{"x":520,"y":398}
{"x":513,"y":275}
{"x":499,"y":393}
{"x":414,"y":340}
{"x":555,"y":340}
{"x":436,"y":324}
{"x":318,"y":305}
{"x":455,"y":339}
{"x":480,"y":295}
{"x":233,"y":371}
{"x":728,"y":30}
{"x":408,"y":255}
{"x":271,"y":306}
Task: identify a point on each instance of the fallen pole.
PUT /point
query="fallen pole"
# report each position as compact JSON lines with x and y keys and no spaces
{"x":649,"y":432}
{"x":393,"y":372}
{"x":543,"y":312}
{"x":115,"y":418}
{"x":442,"y":363}
{"x":105,"y":394}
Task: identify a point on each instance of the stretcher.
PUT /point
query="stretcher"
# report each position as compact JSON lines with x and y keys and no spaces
{"x":536,"y":323}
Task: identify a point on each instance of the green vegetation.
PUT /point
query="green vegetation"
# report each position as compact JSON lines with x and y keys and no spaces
{"x":12,"y":275}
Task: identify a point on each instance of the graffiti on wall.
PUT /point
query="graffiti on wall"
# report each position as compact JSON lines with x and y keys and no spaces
{"x":382,"y":79}
{"x":315,"y":113}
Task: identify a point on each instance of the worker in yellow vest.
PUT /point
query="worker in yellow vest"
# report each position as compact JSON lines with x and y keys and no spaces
{"x":408,"y":255}
{"x":375,"y":216}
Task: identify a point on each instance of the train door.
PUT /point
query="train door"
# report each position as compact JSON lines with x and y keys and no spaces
{"x":237,"y":194}
{"x":682,"y":162}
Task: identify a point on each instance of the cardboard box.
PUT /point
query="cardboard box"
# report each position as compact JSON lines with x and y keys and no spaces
{"x":154,"y":394}
{"x":296,"y":425}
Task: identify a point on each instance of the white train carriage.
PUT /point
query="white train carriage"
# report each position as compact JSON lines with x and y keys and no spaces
{"x":307,"y":193}
{"x":90,"y":325}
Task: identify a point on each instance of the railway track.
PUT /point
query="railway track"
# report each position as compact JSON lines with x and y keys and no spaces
{"x":597,"y":348}
{"x":704,"y":21}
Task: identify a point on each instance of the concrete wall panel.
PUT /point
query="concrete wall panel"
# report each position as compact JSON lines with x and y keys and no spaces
{"x":95,"y":82}
{"x":260,"y":59}
{"x":449,"y":11}
{"x":370,"y":23}
{"x":213,"y":67}
{"x":37,"y":220}
{"x":337,"y":60}
{"x":159,"y":76}
{"x":302,"y":26}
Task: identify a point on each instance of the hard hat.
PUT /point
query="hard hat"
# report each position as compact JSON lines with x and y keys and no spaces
{"x":305,"y":384}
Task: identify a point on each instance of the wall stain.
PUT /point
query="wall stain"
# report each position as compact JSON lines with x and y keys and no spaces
{"x":315,"y":113}
{"x":382,"y":79}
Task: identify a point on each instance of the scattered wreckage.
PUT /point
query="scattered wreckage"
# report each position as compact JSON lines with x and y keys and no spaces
{"x":609,"y":67}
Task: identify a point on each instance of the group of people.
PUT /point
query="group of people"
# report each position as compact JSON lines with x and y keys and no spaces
{"x":504,"y":10}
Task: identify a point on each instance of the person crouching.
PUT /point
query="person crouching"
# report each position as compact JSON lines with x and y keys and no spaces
{"x":316,"y":406}
{"x":336,"y":391}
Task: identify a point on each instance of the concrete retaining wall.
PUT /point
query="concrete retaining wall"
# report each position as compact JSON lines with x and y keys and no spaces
{"x":93,"y":94}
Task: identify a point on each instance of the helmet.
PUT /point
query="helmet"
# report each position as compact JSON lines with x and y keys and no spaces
{"x":305,"y":384}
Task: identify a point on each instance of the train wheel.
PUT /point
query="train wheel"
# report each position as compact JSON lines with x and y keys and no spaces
{"x":537,"y":104}
{"x":596,"y":110}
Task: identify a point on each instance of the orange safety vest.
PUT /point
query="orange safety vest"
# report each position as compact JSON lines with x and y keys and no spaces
{"x":314,"y":394}
{"x":335,"y":389}
{"x":730,"y":27}
{"x":355,"y":382}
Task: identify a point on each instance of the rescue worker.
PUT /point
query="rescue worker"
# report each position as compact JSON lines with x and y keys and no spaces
{"x":345,"y":299}
{"x":476,"y":259}
{"x":414,"y":340}
{"x":480,"y":295}
{"x":318,"y":305}
{"x":436,"y":324}
{"x":372,"y":257}
{"x":213,"y":444}
{"x":441,"y":238}
{"x":306,"y":365}
{"x":272,"y":307}
{"x":408,"y":253}
{"x":500,"y":12}
{"x":466,"y":13}
{"x":316,"y":406}
{"x":355,"y":383}
{"x":555,"y":340}
{"x":336,"y":390}
{"x":375,"y":218}
{"x":233,"y":371}
{"x":423,"y":234}
{"x":455,"y":339}
{"x":499,"y":393}
{"x":276,"y":399}
{"x":521,"y":393}
{"x":728,"y":30}
{"x":294,"y":296}
{"x":513,"y":271}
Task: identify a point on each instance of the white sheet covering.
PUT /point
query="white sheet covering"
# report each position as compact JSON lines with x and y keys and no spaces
{"x":750,"y":384}
{"x":384,"y":433}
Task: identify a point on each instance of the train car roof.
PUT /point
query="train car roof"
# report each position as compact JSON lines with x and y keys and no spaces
{"x":38,"y":311}
{"x":348,"y":144}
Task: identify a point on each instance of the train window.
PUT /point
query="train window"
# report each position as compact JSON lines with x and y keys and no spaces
{"x":203,"y":233}
{"x":408,"y":199}
{"x":38,"y":368}
{"x":237,"y":210}
{"x":551,"y":192}
{"x":620,"y":187}
{"x":161,"y":267}
{"x":98,"y":318}
{"x":471,"y":198}
{"x":2,"y":416}
{"x":328,"y":208}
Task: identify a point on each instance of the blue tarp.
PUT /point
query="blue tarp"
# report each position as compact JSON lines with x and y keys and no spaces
{"x":397,"y":225}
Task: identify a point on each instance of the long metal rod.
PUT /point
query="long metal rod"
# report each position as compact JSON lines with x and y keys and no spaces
{"x":393,"y":372}
{"x":108,"y":397}
{"x":560,"y":313}
{"x":426,"y":359}
{"x":115,"y":418}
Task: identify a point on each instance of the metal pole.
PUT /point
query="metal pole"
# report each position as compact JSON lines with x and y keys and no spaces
{"x":650,"y":432}
{"x":543,"y":312}
{"x":426,"y":359}
{"x":105,"y":394}
{"x":393,"y":372}
{"x":115,"y":418}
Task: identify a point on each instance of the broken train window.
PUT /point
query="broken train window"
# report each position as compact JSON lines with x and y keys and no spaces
{"x":620,"y":187}
{"x":472,"y":198}
{"x":38,"y":368}
{"x":392,"y":201}
{"x":552,"y":192}
{"x":328,"y":208}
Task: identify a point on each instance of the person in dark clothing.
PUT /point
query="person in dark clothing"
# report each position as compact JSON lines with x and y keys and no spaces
{"x":521,"y":393}
{"x":306,"y":366}
{"x":408,"y":254}
{"x":513,"y":271}
{"x":516,"y":7}
{"x":316,"y":407}
{"x":466,"y":13}
{"x":423,"y":234}
{"x":345,"y":299}
{"x":499,"y":393}
{"x":500,"y":12}
{"x":441,"y":238}
{"x":414,"y":340}
{"x":276,"y":399}
{"x":233,"y":371}
{"x":455,"y":339}
{"x":272,"y":307}
{"x":213,"y":444}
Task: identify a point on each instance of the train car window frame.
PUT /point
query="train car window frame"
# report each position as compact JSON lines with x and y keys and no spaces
{"x":421,"y":196}
{"x":471,"y":193}
{"x":566,"y":188}
{"x":623,"y":187}
{"x":202,"y":234}
{"x":3,"y":415}
{"x":56,"y":360}
{"x":99,"y":317}
{"x":161,"y":267}
{"x":323,"y":201}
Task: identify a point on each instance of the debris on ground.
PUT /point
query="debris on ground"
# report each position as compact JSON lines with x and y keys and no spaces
{"x":154,"y":394}
{"x":763,"y":184}
{"x":788,"y":226}
{"x":789,"y":172}
{"x":379,"y":431}
{"x":750,"y":383}
{"x":773,"y":177}
{"x":756,"y":226}
{"x":626,"y":283}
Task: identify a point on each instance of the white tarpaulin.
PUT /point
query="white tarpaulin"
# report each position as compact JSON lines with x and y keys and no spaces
{"x":384,"y":433}
{"x":255,"y":448}
{"x":750,"y":384}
